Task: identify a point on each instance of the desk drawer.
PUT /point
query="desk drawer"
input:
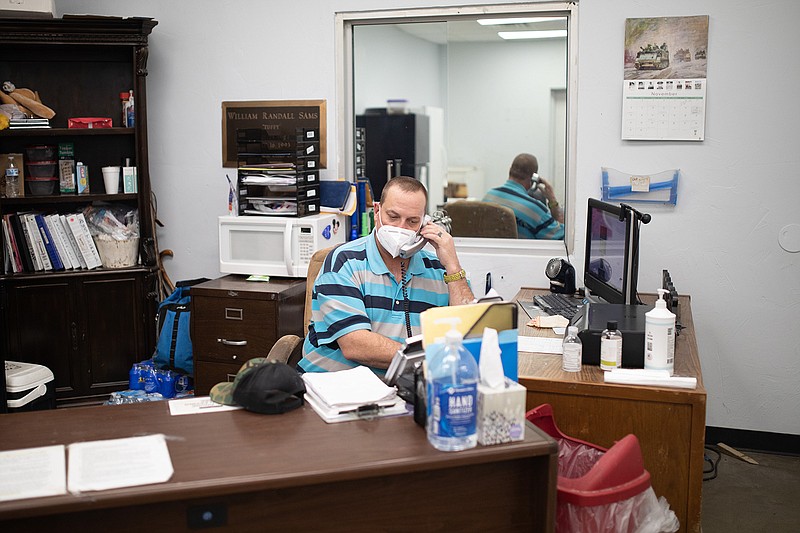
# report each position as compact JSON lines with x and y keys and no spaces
{"x":233,"y":330}
{"x":207,"y":375}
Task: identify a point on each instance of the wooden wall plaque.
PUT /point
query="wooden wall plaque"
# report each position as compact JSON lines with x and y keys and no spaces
{"x":278,"y":117}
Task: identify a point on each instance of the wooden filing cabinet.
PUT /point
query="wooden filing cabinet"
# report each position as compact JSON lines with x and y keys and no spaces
{"x":234,"y":320}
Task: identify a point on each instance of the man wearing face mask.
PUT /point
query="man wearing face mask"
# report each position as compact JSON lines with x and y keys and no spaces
{"x":535,"y":218}
{"x":370,"y":292}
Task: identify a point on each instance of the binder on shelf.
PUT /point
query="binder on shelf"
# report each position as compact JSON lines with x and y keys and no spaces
{"x":72,"y":242}
{"x":35,"y":242}
{"x":79,"y":228}
{"x":22,"y":244}
{"x":49,"y":245}
{"x":59,"y":239}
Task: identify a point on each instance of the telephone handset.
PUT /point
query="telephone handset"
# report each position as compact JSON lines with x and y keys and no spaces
{"x":537,"y":190}
{"x":419,"y":242}
{"x":440,"y":218}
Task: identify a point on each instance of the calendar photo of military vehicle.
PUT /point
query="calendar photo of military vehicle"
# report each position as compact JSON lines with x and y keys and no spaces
{"x":666,"y":48}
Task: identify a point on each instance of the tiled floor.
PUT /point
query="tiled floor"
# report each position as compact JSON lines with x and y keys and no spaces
{"x":753,"y":498}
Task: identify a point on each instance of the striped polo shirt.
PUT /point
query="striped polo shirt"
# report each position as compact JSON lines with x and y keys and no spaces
{"x":534,"y":220}
{"x":355,"y":290}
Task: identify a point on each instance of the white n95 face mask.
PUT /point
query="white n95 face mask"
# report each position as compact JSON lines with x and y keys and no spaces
{"x":393,"y":238}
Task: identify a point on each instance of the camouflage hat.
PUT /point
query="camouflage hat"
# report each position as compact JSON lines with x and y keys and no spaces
{"x":263,"y":387}
{"x":223,"y":392}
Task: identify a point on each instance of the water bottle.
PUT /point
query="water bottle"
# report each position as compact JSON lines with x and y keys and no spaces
{"x":573,"y":351}
{"x":452,"y":397}
{"x":12,"y":179}
{"x":610,"y":347}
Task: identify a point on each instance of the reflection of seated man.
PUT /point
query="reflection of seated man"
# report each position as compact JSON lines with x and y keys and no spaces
{"x":535,"y":220}
{"x":367,"y":300}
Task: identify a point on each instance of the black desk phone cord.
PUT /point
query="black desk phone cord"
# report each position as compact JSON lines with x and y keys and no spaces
{"x":404,"y":285}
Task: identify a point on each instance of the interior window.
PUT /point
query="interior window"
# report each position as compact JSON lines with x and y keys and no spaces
{"x":473,"y":87}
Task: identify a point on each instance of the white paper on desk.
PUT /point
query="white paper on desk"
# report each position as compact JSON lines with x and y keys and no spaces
{"x":539,"y":344}
{"x":643,"y":376}
{"x":197,"y":405}
{"x":33,"y":473}
{"x":348,"y":389}
{"x":115,"y":463}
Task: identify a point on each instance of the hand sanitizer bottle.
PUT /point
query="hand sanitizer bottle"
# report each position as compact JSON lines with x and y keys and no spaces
{"x":452,"y":397}
{"x":659,"y":336}
{"x":610,"y":347}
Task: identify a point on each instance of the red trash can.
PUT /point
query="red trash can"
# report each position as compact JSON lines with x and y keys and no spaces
{"x":603,"y":490}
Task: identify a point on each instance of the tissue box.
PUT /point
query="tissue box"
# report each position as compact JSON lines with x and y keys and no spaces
{"x":501,"y":413}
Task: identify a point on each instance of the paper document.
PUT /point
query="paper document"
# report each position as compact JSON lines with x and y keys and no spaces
{"x":197,"y":405}
{"x":540,"y":344}
{"x":115,"y":463}
{"x":642,"y":376}
{"x":347,"y":389}
{"x":33,"y":473}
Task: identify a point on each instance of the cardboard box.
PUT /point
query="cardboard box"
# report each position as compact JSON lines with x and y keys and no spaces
{"x":129,"y":180}
{"x":501,"y":413}
{"x":82,"y":177}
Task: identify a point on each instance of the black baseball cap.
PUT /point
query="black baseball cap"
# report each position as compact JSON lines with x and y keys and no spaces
{"x":264,"y":387}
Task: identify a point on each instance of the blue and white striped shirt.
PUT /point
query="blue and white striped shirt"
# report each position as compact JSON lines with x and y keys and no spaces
{"x":534,"y":220}
{"x":355,"y":290}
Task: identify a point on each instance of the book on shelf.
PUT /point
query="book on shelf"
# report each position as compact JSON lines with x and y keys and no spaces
{"x":22,"y":243}
{"x":62,"y":246}
{"x":79,"y":228}
{"x":24,"y":123}
{"x":14,"y":263}
{"x":49,"y":245}
{"x":34,"y":241}
{"x":72,"y":242}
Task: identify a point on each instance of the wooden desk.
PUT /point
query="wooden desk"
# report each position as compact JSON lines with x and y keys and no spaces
{"x":669,"y":423}
{"x":292,"y":472}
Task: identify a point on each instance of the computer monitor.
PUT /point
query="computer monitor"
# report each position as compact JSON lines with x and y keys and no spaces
{"x":610,"y":264}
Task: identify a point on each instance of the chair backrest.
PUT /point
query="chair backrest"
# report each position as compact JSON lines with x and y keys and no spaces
{"x":314,"y":266}
{"x":481,"y":219}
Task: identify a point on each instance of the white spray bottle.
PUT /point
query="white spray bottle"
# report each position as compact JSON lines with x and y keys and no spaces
{"x":659,"y":336}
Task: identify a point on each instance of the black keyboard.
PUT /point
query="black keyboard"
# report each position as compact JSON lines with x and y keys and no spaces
{"x":558,"y":304}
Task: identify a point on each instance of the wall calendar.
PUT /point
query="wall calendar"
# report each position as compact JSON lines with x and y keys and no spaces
{"x":664,"y":90}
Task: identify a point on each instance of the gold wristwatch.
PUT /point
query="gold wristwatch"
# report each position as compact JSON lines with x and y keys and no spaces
{"x":461,"y":274}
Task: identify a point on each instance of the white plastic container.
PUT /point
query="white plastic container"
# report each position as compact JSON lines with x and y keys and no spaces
{"x":659,"y":337}
{"x":29,"y":387}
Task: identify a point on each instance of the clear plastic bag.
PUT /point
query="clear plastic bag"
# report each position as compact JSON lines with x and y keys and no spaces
{"x":603,"y":491}
{"x":117,"y":221}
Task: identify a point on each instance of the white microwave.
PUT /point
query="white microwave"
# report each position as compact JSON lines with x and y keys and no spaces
{"x":276,"y":246}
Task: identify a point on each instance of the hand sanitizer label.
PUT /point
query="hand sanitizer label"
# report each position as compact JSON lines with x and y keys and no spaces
{"x":455,"y":409}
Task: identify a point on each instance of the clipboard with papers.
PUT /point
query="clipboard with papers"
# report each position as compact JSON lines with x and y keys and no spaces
{"x":352,"y":394}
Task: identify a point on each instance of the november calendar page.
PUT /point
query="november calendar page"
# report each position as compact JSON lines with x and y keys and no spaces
{"x":664,"y":90}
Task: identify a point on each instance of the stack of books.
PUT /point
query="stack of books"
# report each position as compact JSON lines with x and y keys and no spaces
{"x":36,"y":242}
{"x":28,"y":123}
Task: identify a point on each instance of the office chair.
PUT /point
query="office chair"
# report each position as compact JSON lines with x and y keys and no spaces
{"x":289,"y":348}
{"x":481,"y":219}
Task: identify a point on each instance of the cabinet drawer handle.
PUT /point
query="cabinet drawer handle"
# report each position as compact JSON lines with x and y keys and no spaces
{"x":232,"y":313}
{"x":226,"y":342}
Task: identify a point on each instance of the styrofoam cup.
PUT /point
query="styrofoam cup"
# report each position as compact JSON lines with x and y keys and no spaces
{"x":111,"y":179}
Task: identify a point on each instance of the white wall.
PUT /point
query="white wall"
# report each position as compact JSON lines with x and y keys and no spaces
{"x":739,"y":187}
